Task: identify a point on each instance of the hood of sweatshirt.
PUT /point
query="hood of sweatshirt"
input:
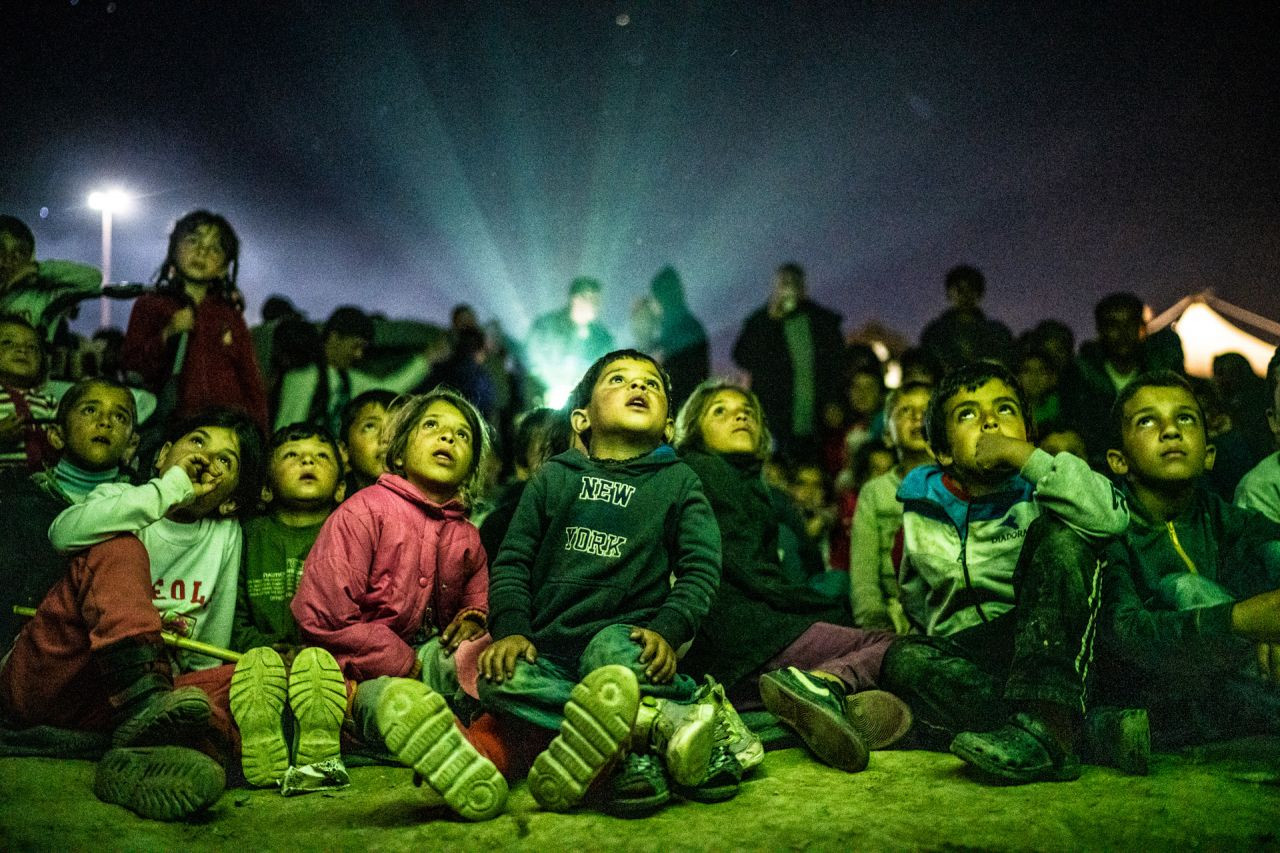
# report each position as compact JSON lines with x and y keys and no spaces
{"x":660,"y":457}
{"x":453,"y":509}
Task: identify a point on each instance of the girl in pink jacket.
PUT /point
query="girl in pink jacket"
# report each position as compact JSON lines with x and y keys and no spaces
{"x":396,"y":582}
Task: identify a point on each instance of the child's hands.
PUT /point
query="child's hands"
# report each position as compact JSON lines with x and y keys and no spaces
{"x":458,"y":632}
{"x":497,"y":663}
{"x":657,"y":655}
{"x":995,"y":450}
{"x":200,"y":472}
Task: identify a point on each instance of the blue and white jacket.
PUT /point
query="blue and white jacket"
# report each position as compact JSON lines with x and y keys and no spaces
{"x":959,"y":552}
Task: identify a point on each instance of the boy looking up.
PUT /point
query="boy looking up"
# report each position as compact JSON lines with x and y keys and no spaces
{"x":877,"y":517}
{"x":363,"y":438}
{"x":1191,"y":599}
{"x":610,"y":563}
{"x":94,"y":432}
{"x":303,"y":486}
{"x":1000,"y":572}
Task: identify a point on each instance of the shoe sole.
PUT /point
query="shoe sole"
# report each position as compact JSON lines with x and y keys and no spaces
{"x":172,"y":719}
{"x":418,"y":727}
{"x":688,"y":753}
{"x":258,"y":689}
{"x":828,"y":735}
{"x":880,"y":717}
{"x":598,"y":719}
{"x":159,"y":782}
{"x":318,"y":697}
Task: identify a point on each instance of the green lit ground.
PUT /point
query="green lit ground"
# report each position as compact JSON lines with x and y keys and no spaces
{"x":1221,"y":797}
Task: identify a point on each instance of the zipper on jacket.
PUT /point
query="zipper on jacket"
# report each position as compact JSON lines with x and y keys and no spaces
{"x":1177,"y":546}
{"x":964,"y":564}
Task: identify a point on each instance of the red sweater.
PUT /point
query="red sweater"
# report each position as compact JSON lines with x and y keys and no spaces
{"x":220,"y":368}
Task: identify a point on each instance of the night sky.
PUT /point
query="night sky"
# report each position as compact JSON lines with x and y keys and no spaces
{"x":410,"y":155}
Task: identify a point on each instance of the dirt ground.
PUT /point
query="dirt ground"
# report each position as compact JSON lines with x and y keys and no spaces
{"x":1222,"y":797}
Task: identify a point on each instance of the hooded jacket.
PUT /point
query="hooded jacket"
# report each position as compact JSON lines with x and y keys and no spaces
{"x":596,"y":543}
{"x":1170,"y":586}
{"x":959,"y":552}
{"x":388,"y":563}
{"x":761,"y":608}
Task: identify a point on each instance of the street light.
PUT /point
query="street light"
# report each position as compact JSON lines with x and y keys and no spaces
{"x":108,"y":201}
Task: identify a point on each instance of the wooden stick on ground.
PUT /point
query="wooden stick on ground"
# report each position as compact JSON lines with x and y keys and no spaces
{"x":171,"y":639}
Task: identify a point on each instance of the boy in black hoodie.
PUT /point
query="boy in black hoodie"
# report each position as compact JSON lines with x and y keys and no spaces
{"x":610,"y":563}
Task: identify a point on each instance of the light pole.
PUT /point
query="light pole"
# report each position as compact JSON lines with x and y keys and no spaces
{"x":109,"y":202}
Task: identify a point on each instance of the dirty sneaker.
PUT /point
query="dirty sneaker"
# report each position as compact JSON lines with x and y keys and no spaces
{"x":723,"y":775}
{"x":1119,"y":738}
{"x":742,"y":742}
{"x":681,"y":734}
{"x":813,"y":706}
{"x":598,"y":719}
{"x":318,"y":697}
{"x":257,"y":706}
{"x":165,"y":717}
{"x":880,"y":717}
{"x":637,"y":788}
{"x":419,"y":729}
{"x":159,"y":782}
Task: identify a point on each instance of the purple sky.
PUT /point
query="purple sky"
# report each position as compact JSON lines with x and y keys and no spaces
{"x":412,"y":155}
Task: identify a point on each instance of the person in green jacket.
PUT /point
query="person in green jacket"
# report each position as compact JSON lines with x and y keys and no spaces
{"x":1191,"y":598}
{"x":303,"y":485}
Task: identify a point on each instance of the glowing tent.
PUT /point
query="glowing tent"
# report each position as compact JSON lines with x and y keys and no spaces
{"x":1206,"y":333}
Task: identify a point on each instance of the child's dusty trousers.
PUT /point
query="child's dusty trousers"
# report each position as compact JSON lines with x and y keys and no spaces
{"x":55,"y":673}
{"x":1038,"y":651}
{"x":538,"y":691}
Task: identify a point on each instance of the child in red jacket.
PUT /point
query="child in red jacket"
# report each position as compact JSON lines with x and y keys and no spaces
{"x":396,"y":582}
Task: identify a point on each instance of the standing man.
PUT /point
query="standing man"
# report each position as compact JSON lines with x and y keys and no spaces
{"x":564,"y":343}
{"x":794,"y":351}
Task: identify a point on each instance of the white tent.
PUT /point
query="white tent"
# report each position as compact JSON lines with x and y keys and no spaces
{"x":1206,"y":333}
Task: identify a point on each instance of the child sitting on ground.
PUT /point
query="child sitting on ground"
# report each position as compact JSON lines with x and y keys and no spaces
{"x":767,"y":635}
{"x":609,"y":565}
{"x":24,"y":411}
{"x":1192,"y":588}
{"x":363,"y":438}
{"x":303,"y":485}
{"x":395,"y":583}
{"x":92,"y":656}
{"x":877,"y":518}
{"x":1000,"y":571}
{"x":94,"y":432}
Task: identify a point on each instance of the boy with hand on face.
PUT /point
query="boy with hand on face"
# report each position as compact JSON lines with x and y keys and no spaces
{"x":184,"y":517}
{"x":607,"y":568}
{"x":999,"y":571}
{"x":1191,"y":613}
{"x":92,"y":657}
{"x":303,"y":485}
